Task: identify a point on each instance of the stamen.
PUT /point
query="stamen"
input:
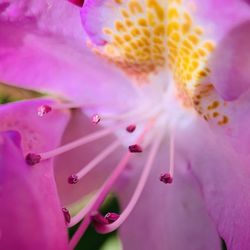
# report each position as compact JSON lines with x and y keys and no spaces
{"x":138,"y":191}
{"x":171,"y":153}
{"x":43,"y":110}
{"x":131,"y":128}
{"x":166,"y":178}
{"x":66,"y":214}
{"x":96,"y":118}
{"x":32,"y":159}
{"x":135,"y":148}
{"x":112,"y":217}
{"x":73,"y":179}
{"x":99,"y":219}
{"x":100,"y":157}
{"x":97,"y":200}
{"x":79,"y":142}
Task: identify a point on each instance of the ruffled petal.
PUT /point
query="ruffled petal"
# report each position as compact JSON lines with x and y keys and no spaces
{"x":223,"y":176}
{"x":168,"y":216}
{"x":31,"y":216}
{"x":48,"y":35}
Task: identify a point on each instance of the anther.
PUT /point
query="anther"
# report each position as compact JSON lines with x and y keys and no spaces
{"x":166,"y":178}
{"x":131,"y":128}
{"x":135,"y":148}
{"x":111,"y":217}
{"x":43,"y":110}
{"x":32,"y":159}
{"x":96,"y":118}
{"x":77,"y":2}
{"x":66,"y":214}
{"x":73,"y":179}
{"x":99,"y":219}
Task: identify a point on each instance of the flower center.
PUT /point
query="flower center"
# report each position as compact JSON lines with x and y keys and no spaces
{"x":158,"y":45}
{"x":153,"y":38}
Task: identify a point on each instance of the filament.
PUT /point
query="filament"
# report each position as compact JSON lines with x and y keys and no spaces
{"x":140,"y":186}
{"x":100,"y":196}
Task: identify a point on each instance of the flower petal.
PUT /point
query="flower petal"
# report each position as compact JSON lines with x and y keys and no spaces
{"x":230,"y":63}
{"x":73,"y":161}
{"x":227,"y":23}
{"x":172,"y":216}
{"x":38,"y":134}
{"x":223,"y":176}
{"x":31,"y":216}
{"x":48,"y":35}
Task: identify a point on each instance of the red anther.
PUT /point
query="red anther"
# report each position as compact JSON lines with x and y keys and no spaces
{"x":73,"y":179}
{"x":135,"y":148}
{"x":32,"y":159}
{"x":111,"y":217}
{"x":166,"y":178}
{"x":99,"y":219}
{"x":77,"y":2}
{"x":131,"y":128}
{"x":66,"y":214}
{"x":43,"y":110}
{"x":96,"y":118}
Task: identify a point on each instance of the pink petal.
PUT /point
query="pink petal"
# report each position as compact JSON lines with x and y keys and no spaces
{"x":74,"y":160}
{"x":31,"y":216}
{"x":223,"y":176}
{"x":38,"y":134}
{"x":49,"y":36}
{"x":170,"y":216}
{"x":230,"y":63}
{"x":227,"y":23}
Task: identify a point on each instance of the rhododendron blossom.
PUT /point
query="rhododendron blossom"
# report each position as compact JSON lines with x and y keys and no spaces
{"x":147,"y":99}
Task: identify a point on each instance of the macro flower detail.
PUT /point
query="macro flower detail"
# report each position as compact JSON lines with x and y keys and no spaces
{"x":137,"y":96}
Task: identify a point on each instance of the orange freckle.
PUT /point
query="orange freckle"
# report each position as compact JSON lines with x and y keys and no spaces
{"x":135,"y":7}
{"x":205,"y":117}
{"x":125,"y":13}
{"x":214,"y":105}
{"x":142,"y":22}
{"x":215,"y":114}
{"x":120,"y":27}
{"x":224,"y":121}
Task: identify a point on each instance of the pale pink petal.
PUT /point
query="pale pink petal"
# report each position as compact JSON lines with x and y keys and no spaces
{"x":230,"y":63}
{"x":223,"y":177}
{"x":168,"y":216}
{"x":31,"y":216}
{"x":74,"y":160}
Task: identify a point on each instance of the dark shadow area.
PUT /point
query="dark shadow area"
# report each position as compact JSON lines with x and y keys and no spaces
{"x":223,"y":245}
{"x":91,"y":239}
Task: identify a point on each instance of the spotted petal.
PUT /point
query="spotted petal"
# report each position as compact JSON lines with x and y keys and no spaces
{"x":48,"y":35}
{"x":36,"y":131}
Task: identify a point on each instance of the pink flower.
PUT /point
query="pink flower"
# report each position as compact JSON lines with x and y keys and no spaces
{"x":164,"y":86}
